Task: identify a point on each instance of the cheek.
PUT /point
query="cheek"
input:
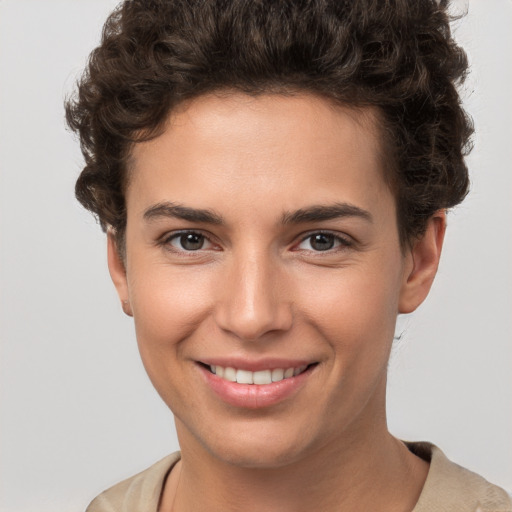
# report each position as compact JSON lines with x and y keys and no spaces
{"x":168,"y":305}
{"x":355,"y":311}
{"x":357,"y":300}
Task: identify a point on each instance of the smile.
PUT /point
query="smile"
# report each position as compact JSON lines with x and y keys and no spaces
{"x":266,"y":384}
{"x":261,"y":377}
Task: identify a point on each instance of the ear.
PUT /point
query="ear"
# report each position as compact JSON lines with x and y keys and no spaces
{"x":117,"y":271}
{"x":421,"y":265}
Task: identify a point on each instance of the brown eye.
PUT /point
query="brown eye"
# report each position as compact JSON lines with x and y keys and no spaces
{"x":187,"y":241}
{"x":322,"y":241}
{"x":192,"y":241}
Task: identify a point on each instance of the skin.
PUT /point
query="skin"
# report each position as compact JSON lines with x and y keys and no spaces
{"x":259,"y":288}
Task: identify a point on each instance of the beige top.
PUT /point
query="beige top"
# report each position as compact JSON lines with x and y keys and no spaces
{"x":448,"y":488}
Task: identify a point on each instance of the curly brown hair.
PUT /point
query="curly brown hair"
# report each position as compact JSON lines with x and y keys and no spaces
{"x":397,"y":56}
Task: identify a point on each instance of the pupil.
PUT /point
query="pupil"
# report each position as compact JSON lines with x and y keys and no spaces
{"x":192,"y":241}
{"x":322,"y":242}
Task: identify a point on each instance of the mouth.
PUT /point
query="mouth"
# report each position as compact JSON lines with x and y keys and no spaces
{"x":260,"y":377}
{"x":258,"y":388}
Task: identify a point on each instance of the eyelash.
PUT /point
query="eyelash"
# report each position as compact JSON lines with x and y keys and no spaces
{"x":166,"y":240}
{"x":343,"y":242}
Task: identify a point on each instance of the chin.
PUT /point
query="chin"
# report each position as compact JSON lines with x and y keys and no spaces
{"x":256,"y":457}
{"x":258,"y":447}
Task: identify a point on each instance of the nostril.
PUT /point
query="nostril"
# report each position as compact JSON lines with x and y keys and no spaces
{"x":251,"y":323}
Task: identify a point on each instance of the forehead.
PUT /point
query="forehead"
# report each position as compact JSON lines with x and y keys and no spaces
{"x":278,"y":149}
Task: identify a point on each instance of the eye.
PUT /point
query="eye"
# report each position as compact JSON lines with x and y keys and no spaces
{"x":188,"y":241}
{"x":321,"y":242}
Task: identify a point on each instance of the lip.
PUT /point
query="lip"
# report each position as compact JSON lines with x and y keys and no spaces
{"x":255,"y":396}
{"x":256,"y":365}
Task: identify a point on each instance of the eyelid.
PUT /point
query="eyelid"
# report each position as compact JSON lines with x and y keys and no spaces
{"x":344,"y":240}
{"x":167,"y":237}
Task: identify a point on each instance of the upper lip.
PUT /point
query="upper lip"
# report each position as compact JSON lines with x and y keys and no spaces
{"x":254,"y":365}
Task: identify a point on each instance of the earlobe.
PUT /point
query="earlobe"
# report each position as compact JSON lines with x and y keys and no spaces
{"x":423,"y":263}
{"x":117,"y":271}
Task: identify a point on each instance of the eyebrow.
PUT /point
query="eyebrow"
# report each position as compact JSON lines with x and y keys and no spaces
{"x":321,"y":213}
{"x":167,"y":209}
{"x":316,"y":213}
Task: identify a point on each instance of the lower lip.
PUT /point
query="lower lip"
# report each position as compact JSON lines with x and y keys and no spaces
{"x":254,"y":396}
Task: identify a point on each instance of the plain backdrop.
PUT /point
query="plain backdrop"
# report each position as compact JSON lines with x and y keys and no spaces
{"x":77,"y":410}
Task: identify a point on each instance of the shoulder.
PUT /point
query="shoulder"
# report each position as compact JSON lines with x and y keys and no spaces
{"x":140,"y":493}
{"x":451,"y":487}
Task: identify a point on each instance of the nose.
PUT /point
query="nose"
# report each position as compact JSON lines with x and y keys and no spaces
{"x":253,"y":299}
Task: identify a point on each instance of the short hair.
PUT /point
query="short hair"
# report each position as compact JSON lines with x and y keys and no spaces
{"x":396,"y":56}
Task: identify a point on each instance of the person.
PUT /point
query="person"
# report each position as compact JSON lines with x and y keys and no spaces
{"x":273,"y":177}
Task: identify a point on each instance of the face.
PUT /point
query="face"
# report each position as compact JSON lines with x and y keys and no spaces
{"x":262,"y":247}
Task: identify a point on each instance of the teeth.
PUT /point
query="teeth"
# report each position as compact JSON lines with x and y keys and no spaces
{"x":230,"y":374}
{"x":277,"y":374}
{"x":300,"y":369}
{"x":260,"y":377}
{"x":244,"y":377}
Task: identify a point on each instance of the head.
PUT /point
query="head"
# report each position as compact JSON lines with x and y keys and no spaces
{"x":274,"y":177}
{"x":397,"y":57}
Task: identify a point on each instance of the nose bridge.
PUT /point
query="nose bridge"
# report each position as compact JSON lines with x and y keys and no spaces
{"x":253,"y":303}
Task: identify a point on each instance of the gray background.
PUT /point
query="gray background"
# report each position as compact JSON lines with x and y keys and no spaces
{"x":78,"y":412}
